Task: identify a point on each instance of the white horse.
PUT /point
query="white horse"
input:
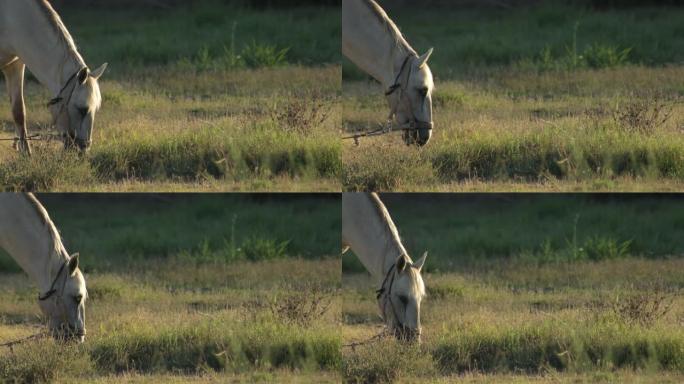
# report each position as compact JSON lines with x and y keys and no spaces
{"x":28,"y":235}
{"x":368,"y":230}
{"x":33,"y":35}
{"x":372,"y":41}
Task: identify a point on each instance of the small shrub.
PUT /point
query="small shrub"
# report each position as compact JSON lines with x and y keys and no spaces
{"x":643,"y":115}
{"x":302,"y":115}
{"x":643,"y":308}
{"x":302,"y":308}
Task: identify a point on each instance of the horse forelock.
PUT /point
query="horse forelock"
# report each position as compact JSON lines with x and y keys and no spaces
{"x":417,"y":286}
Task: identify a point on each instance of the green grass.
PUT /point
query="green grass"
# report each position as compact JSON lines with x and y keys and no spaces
{"x":159,"y":320}
{"x":476,"y":39}
{"x":212,"y":95}
{"x":120,"y":231}
{"x":132,"y":38}
{"x":524,"y":323}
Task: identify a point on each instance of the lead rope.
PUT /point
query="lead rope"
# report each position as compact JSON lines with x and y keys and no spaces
{"x":52,"y":286}
{"x":387,"y":127}
{"x":11,"y":344}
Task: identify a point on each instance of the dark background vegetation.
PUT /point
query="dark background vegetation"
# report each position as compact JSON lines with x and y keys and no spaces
{"x":475,"y":36}
{"x":132,"y":34}
{"x":461,"y":230}
{"x":593,"y":4}
{"x":161,"y":4}
{"x":118,"y":230}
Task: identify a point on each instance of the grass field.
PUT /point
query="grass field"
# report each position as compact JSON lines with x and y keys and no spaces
{"x":533,"y":99}
{"x":248,"y":293}
{"x":578,"y":322}
{"x":530,"y":288}
{"x":204,"y":97}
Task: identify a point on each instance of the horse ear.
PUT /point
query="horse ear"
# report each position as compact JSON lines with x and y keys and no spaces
{"x":83,"y":75}
{"x":96,"y":74}
{"x":419,"y":264}
{"x":73,"y":263}
{"x":402,"y":262}
{"x":424,"y":59}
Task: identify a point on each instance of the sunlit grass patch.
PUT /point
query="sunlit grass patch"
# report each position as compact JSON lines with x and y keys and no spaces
{"x":215,"y":346}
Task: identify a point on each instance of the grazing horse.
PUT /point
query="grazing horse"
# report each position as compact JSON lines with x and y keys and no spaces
{"x":368,"y":230}
{"x":372,"y":41}
{"x":28,"y":235}
{"x":32,"y":35}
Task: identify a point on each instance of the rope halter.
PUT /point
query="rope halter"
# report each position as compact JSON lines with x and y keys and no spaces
{"x":63,"y":100}
{"x":414,"y":124}
{"x":384,"y":296}
{"x":53,"y":290}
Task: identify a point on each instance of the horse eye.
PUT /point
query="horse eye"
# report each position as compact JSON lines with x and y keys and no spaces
{"x":403,"y":299}
{"x":83,"y":111}
{"x":78,"y":299}
{"x":423,"y":92}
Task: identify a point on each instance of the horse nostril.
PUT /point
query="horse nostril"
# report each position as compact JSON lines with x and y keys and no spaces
{"x":83,"y":145}
{"x":418,"y":137}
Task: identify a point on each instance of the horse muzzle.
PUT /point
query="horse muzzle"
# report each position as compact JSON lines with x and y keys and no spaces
{"x":406,"y":334}
{"x":77,"y":336}
{"x":76,"y":143}
{"x":418,"y":133}
{"x":69,"y":333}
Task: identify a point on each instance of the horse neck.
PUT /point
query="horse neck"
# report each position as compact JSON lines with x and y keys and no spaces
{"x":375,"y":239}
{"x":368,"y":42}
{"x":44,"y":47}
{"x":26,"y":236}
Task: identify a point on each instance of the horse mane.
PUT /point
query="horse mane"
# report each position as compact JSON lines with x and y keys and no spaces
{"x":45,"y":219}
{"x":386,"y":220}
{"x":63,"y":34}
{"x":389,"y":25}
